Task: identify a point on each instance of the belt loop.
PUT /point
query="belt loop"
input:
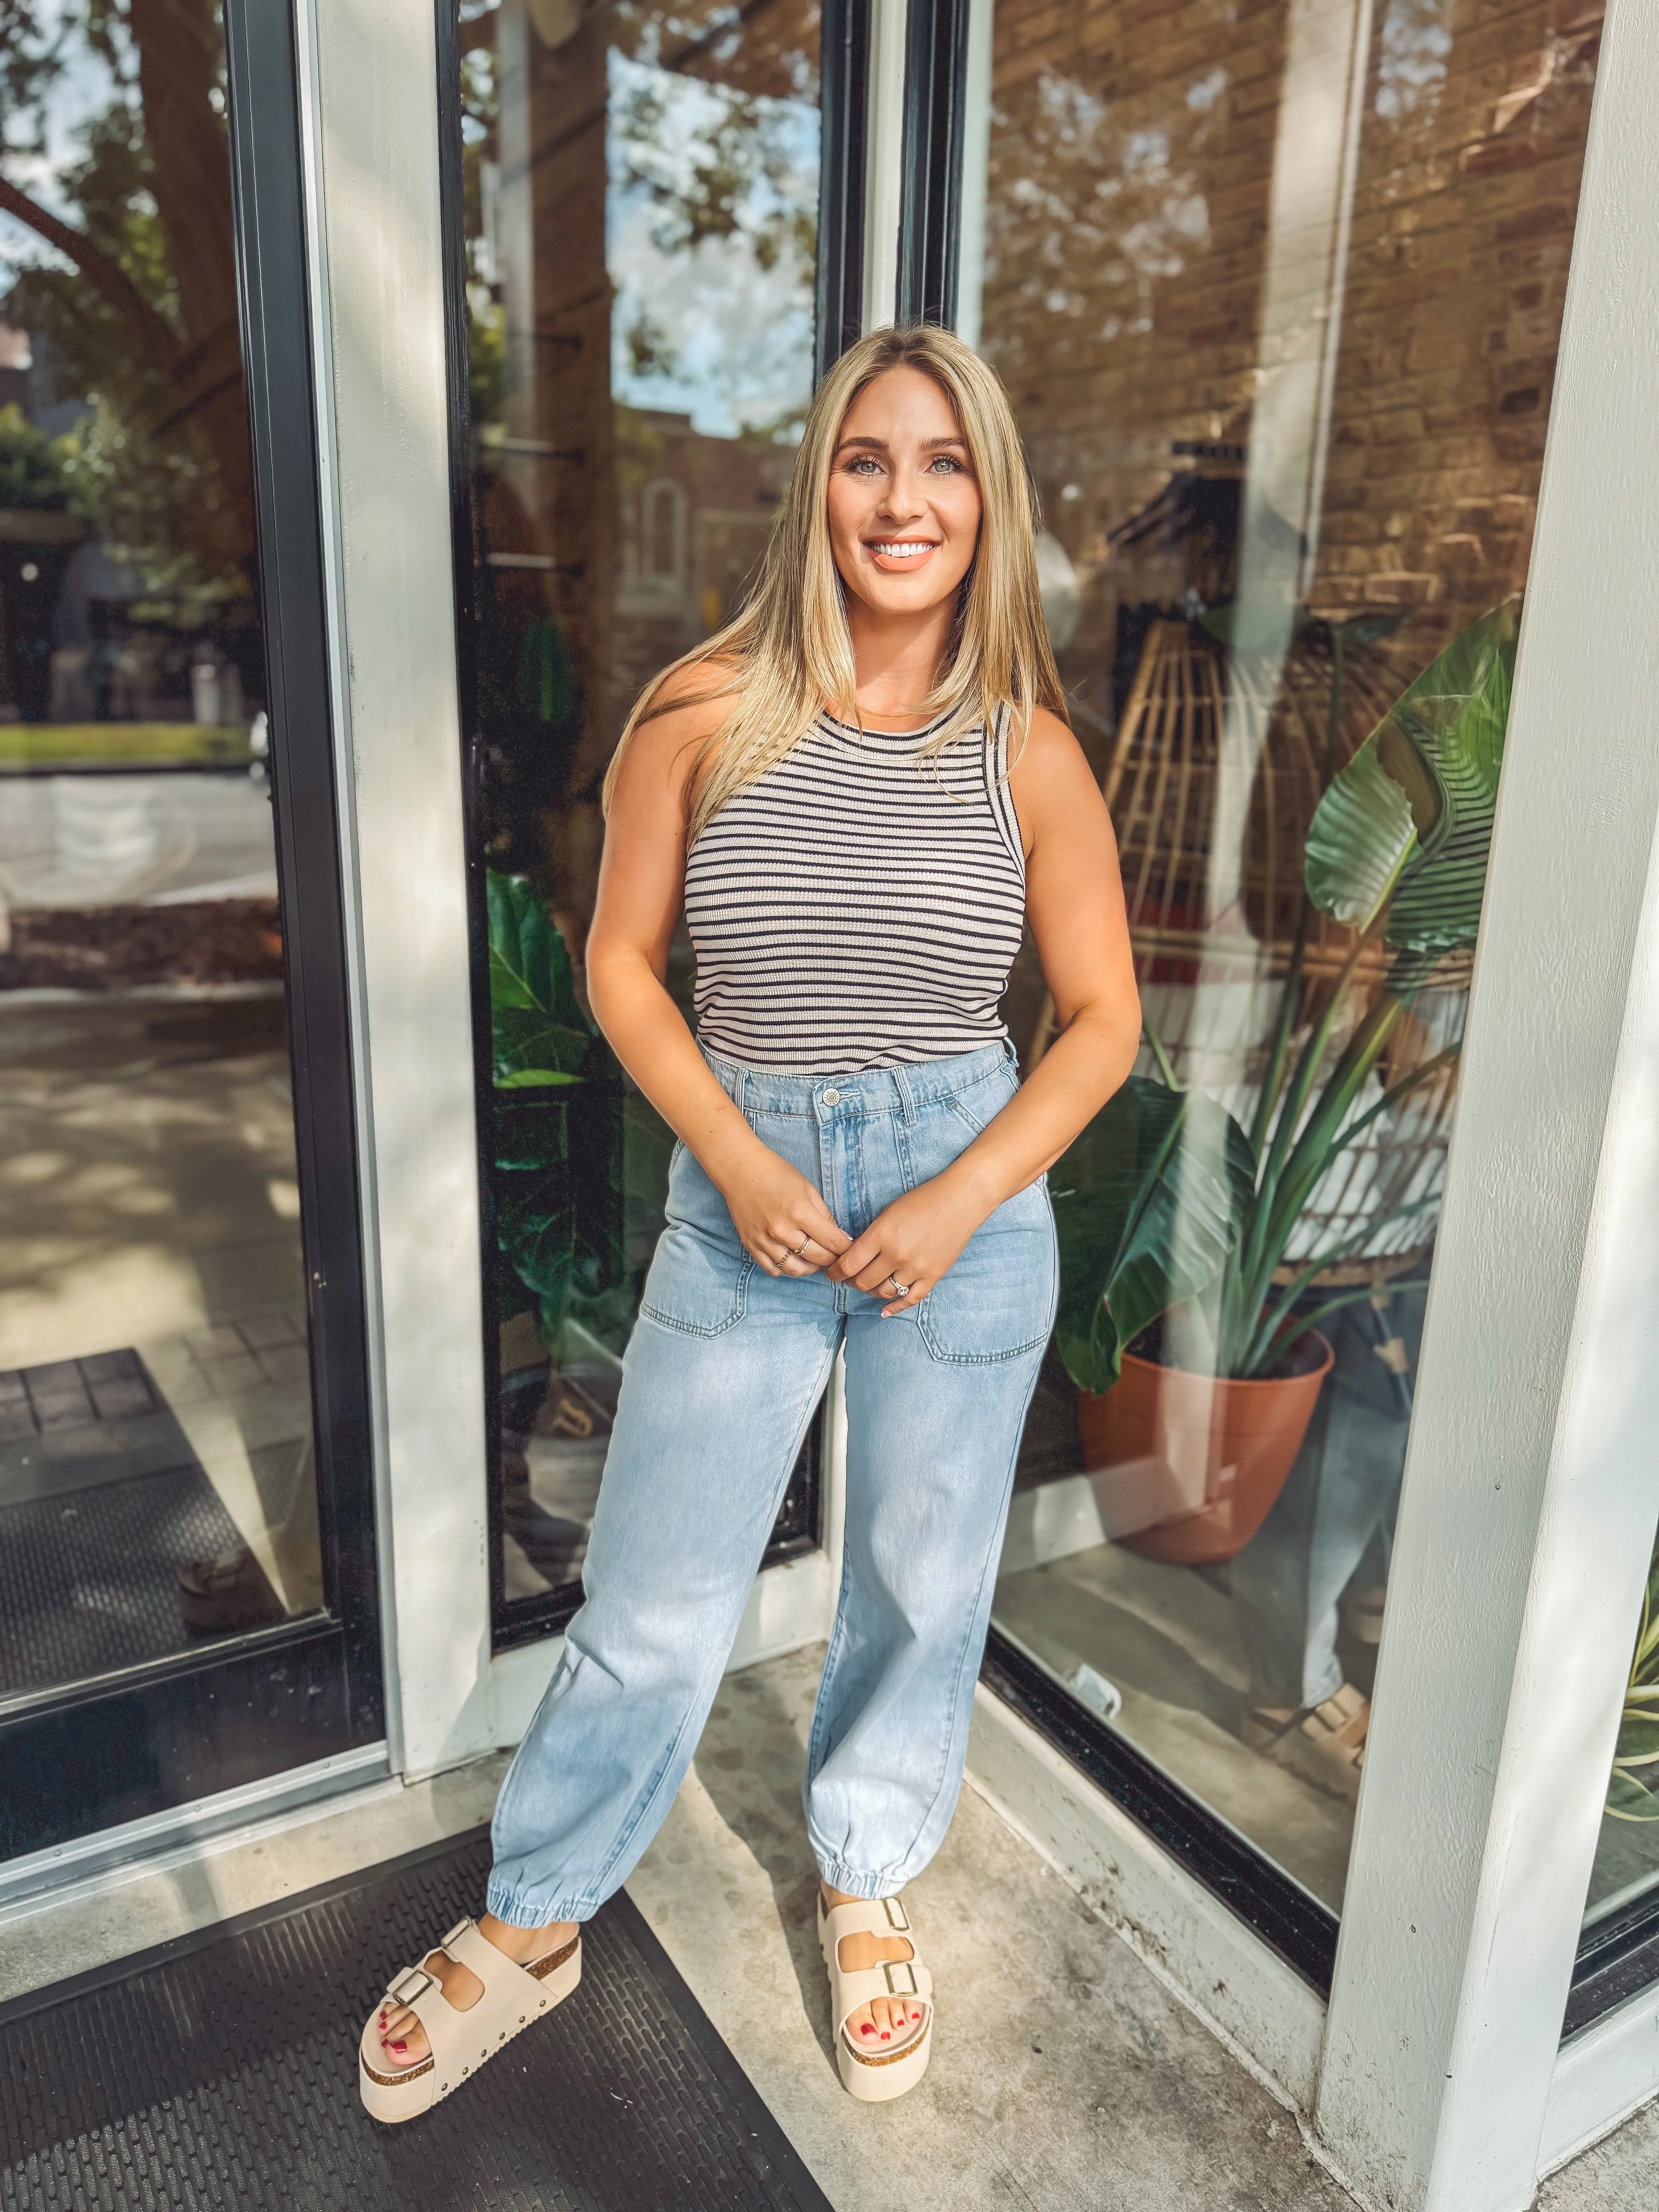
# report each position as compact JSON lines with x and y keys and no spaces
{"x":740,"y":1091}
{"x":907,"y":1100}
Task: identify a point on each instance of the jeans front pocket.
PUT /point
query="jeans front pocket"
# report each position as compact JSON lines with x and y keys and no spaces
{"x":698,"y":1281}
{"x":998,"y":1301}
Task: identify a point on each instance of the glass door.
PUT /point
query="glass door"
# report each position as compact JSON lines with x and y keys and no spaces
{"x":654,"y":240}
{"x":1277,"y":293}
{"x":186,"y":1566}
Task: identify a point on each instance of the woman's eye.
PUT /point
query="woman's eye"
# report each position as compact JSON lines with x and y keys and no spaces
{"x":946,"y":461}
{"x":864,"y":466}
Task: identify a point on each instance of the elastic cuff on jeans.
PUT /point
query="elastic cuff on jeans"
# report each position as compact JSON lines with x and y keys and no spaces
{"x":534,"y":1912}
{"x":852,"y":1882}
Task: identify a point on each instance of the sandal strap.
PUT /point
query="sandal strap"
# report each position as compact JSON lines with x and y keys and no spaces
{"x":454,"y":2034}
{"x":897,"y":1977}
{"x":881,"y":1916}
{"x":468,"y":1946}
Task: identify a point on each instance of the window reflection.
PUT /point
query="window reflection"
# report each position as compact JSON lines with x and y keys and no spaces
{"x":642,"y":191}
{"x":156,"y":1479}
{"x":1279,"y":305}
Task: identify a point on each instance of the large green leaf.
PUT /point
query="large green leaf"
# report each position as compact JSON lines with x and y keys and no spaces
{"x":1361,"y":837}
{"x":1148,"y":1202}
{"x":1408,"y":822}
{"x":538,"y":1033}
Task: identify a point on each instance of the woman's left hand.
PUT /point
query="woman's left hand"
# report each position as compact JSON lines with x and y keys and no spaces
{"x":911,"y":1243}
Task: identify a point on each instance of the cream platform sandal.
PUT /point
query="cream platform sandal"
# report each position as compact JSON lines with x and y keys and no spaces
{"x":461,"y":2041}
{"x":864,"y":2074}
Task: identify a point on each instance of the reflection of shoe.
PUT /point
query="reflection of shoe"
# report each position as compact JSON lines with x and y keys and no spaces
{"x":1362,"y":1613}
{"x":1324,"y":1744}
{"x":229,"y":1592}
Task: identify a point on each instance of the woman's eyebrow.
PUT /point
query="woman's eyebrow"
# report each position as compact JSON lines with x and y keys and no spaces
{"x":879,"y":445}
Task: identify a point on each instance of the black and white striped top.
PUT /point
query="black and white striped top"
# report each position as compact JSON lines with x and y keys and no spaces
{"x":859,"y":905}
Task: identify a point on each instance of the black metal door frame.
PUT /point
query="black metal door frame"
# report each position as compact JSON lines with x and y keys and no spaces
{"x":123,"y":1748}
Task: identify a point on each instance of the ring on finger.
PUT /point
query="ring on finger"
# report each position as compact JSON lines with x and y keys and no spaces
{"x":900,"y":1290}
{"x":799,"y":1252}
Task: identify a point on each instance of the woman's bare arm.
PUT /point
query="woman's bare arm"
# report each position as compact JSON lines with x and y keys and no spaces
{"x":642,"y":885}
{"x":1074,"y":904}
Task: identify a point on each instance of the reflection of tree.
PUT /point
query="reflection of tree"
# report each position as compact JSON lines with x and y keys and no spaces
{"x":145,"y":324}
{"x":738,"y":178}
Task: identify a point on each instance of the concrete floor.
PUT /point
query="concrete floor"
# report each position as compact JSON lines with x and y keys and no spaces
{"x":1066,"y":2078}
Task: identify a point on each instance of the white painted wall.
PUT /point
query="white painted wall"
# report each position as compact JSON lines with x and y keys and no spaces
{"x":1533,"y":1481}
{"x":373,"y":160}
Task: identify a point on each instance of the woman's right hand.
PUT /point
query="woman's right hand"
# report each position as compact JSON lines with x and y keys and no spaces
{"x":780,"y":1219}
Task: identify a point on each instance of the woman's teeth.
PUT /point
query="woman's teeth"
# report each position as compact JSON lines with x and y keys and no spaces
{"x":904,"y":549}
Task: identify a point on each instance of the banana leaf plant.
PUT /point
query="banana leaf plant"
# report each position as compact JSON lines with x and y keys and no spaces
{"x":1166,"y":1200}
{"x":1630,"y":1793}
{"x":557,"y":1150}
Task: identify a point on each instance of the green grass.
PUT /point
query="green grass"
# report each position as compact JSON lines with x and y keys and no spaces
{"x":137,"y":744}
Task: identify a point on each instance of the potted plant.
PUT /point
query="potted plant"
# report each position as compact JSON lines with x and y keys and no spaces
{"x":1631,"y":1791}
{"x":1194,"y":1347}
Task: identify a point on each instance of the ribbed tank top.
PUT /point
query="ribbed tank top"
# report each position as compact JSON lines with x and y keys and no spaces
{"x":859,"y":905}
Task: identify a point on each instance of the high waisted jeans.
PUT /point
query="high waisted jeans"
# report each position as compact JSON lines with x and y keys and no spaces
{"x":726,"y":1366}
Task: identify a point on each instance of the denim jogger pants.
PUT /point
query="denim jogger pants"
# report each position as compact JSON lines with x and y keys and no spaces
{"x":724,"y":1370}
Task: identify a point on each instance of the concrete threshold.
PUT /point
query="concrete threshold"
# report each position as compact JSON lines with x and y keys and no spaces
{"x":1066,"y":2077}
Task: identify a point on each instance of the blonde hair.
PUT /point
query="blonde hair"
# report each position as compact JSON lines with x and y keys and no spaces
{"x":786,"y":656}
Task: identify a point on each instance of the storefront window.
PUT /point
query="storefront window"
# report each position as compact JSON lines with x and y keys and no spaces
{"x":1277,"y":293}
{"x":640,"y":193}
{"x":157,"y":1480}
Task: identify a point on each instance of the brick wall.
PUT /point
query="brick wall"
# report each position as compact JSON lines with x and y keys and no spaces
{"x":1131,"y":158}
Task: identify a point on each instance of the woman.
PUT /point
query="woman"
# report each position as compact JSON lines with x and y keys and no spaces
{"x":857,"y":792}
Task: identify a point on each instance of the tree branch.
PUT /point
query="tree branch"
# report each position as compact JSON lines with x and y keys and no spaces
{"x":155,"y":333}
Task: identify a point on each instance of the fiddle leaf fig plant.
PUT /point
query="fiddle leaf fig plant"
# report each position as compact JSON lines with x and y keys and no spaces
{"x":557,"y":1155}
{"x":539,"y":1034}
{"x":1166,"y":1200}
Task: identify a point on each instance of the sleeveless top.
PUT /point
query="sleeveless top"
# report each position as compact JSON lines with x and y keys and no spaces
{"x":858,"y":906}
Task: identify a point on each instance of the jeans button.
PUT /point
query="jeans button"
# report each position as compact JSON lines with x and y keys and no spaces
{"x":832,"y":1098}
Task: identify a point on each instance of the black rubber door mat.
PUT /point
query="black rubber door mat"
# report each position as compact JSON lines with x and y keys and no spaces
{"x":220,"y":2072}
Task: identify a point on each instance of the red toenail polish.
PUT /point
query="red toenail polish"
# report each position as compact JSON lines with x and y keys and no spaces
{"x":866,"y":2029}
{"x":886,"y":2037}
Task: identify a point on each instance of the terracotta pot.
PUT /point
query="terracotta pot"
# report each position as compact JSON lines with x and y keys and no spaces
{"x":1186,"y":1466}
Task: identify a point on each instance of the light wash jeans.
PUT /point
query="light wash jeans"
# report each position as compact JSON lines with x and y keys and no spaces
{"x":725,"y":1369}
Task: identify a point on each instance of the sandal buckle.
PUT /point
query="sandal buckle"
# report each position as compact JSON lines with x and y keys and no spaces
{"x":890,"y":1967}
{"x":896,"y":1916}
{"x":459,"y":1929}
{"x":414,"y":1982}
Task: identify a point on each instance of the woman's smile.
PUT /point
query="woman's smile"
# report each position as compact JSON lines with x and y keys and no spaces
{"x":893,"y":553}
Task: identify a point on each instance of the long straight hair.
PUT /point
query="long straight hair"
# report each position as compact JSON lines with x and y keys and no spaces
{"x":786,"y":656}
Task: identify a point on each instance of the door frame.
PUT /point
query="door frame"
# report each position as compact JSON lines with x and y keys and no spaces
{"x":151,"y":1740}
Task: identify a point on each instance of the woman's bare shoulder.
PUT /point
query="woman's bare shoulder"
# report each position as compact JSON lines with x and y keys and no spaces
{"x":678,"y":714}
{"x":1050,"y":753}
{"x":1054,"y":786}
{"x":694,"y":696}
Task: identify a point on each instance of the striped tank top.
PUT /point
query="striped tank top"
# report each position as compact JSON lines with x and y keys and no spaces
{"x":859,"y":905}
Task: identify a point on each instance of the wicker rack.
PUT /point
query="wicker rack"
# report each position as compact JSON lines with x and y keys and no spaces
{"x":1212,"y":935}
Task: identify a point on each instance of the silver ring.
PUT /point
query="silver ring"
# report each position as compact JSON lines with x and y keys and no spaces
{"x":901,"y":1289}
{"x":799,"y":1253}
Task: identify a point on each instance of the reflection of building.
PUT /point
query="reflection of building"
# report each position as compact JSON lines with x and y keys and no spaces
{"x":692,"y":532}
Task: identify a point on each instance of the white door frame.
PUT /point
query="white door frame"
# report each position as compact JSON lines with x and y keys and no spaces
{"x":1532,"y":1481}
